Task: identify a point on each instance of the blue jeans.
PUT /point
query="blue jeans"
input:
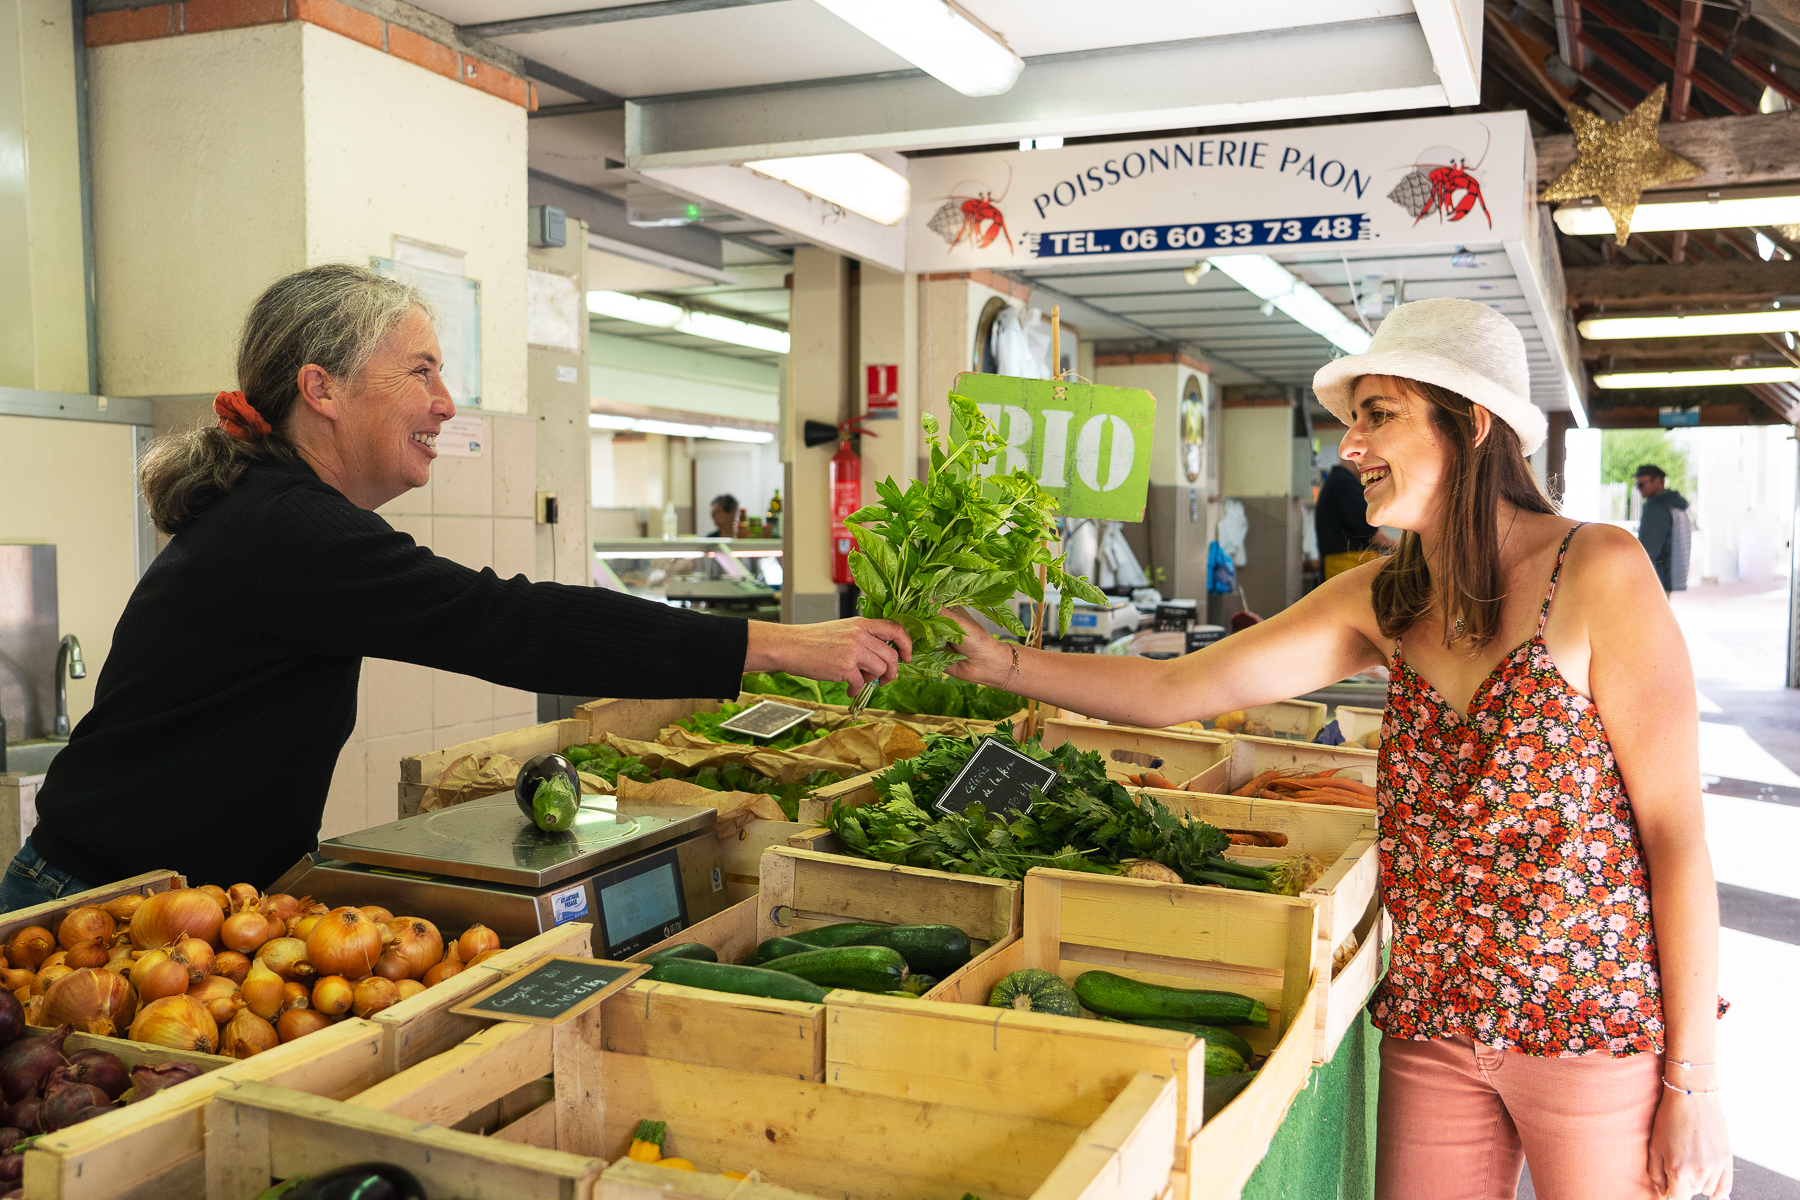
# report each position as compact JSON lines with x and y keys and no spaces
{"x":29,"y":881}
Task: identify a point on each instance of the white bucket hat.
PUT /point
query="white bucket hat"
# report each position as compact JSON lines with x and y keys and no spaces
{"x":1457,"y":344}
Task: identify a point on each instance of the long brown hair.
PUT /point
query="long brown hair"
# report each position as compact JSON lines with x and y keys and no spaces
{"x":1469,"y":584}
{"x":333,"y":315}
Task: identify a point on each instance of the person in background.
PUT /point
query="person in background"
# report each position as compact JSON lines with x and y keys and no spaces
{"x":1665,"y":529}
{"x":1346,"y":539}
{"x":724,"y":515}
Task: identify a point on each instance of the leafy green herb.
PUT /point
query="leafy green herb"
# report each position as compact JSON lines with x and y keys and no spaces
{"x":735,"y":777}
{"x":780,"y":683}
{"x":946,"y":697}
{"x":960,"y":536}
{"x":707,"y":725}
{"x":608,"y":763}
{"x":1086,"y":823}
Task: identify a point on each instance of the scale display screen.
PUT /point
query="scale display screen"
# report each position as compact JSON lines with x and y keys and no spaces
{"x":641,"y":904}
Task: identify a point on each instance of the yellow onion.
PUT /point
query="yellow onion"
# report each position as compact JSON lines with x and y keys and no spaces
{"x":84,"y":925}
{"x":408,"y":988}
{"x":170,"y":916}
{"x":48,"y":976}
{"x":12,"y":979}
{"x":262,"y":990}
{"x":452,"y":964}
{"x":377,"y":914}
{"x":120,"y":908}
{"x":245,"y":931}
{"x":242,"y":896}
{"x":303,"y":925}
{"x":482,"y":957}
{"x":333,"y":995}
{"x":87,"y":954}
{"x":417,"y":943}
{"x":295,"y":995}
{"x":475,"y":940}
{"x":176,"y":1022}
{"x":282,"y":906}
{"x":143,"y":963}
{"x":55,"y":960}
{"x":345,"y":942}
{"x":218,"y":894}
{"x":287,"y":958}
{"x":248,"y":1035}
{"x":90,"y":999}
{"x":29,"y":947}
{"x":231,"y":965}
{"x":220,"y":996}
{"x":374,"y":994}
{"x":298,"y":1022}
{"x":198,"y":956}
{"x":391,"y":966}
{"x":121,"y":957}
{"x":166,"y":978}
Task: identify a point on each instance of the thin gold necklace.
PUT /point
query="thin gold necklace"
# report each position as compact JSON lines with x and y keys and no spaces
{"x":1459,"y":626}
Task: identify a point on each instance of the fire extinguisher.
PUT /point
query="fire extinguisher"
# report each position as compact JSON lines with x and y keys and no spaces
{"x":846,"y":498}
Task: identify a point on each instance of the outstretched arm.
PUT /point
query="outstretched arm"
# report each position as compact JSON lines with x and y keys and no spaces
{"x":1316,"y":642}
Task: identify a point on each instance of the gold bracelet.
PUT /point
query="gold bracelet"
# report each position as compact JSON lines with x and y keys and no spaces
{"x":1014,"y":647}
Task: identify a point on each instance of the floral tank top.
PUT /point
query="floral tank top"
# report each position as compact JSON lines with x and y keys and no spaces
{"x":1511,"y":868}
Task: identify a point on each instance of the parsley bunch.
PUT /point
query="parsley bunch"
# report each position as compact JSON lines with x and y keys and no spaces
{"x":1085,"y":823}
{"x":957,"y":537}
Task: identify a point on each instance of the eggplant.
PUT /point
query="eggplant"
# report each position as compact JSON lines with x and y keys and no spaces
{"x":364,"y":1181}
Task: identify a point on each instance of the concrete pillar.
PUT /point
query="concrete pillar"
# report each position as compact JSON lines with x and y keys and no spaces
{"x":557,"y":394}
{"x":887,"y":332}
{"x":949,"y":322}
{"x":1258,"y":462}
{"x":818,"y":369}
{"x":43,"y":307}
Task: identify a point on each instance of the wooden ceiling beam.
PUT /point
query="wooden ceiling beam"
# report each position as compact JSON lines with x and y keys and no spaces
{"x":1685,"y":46}
{"x":1639,"y":285}
{"x":1617,"y":62}
{"x":1615,"y":24}
{"x":1715,"y":43}
{"x":1735,"y":151}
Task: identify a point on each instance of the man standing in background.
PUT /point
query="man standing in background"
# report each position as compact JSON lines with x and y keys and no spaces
{"x":1665,"y":529}
{"x":1341,"y":519}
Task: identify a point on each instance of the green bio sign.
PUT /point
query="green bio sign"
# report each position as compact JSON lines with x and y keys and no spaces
{"x":1085,"y":444}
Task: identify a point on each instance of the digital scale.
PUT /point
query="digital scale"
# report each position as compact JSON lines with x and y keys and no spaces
{"x":638,"y":872}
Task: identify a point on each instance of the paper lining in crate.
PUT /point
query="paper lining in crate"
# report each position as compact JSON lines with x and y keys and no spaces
{"x":153,"y":1150}
{"x":800,"y":889}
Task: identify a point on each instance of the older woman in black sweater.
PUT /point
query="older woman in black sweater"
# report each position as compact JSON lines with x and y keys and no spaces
{"x":243,"y":642}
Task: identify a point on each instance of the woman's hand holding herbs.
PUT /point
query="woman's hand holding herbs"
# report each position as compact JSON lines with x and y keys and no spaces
{"x":986,"y":659}
{"x":856,"y":651}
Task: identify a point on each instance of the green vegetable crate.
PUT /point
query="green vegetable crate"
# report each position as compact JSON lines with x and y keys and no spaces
{"x":1175,"y":935}
{"x":799,"y":890}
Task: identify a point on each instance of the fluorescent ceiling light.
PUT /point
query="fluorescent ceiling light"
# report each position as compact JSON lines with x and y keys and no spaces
{"x":1268,"y":280}
{"x":723,"y":433}
{"x":1653,"y":379}
{"x":1764,"y":321}
{"x":658,"y":315}
{"x":1591,"y":219}
{"x":940,"y":39}
{"x":853,"y":181}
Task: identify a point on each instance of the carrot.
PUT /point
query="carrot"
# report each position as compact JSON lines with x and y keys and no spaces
{"x":1244,"y":839}
{"x":1157,"y":779}
{"x":1255,"y":786}
{"x":1351,"y":785}
{"x":1342,"y":799}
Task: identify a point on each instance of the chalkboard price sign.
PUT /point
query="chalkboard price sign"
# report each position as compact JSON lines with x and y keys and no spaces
{"x":552,"y":991}
{"x":998,"y":778}
{"x":767,"y":719}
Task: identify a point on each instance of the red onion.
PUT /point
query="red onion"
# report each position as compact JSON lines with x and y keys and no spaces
{"x":10,"y":1137}
{"x":25,"y":1063}
{"x":23,"y":1116}
{"x":147,"y":1080}
{"x":12,"y":1018}
{"x":62,"y":1103}
{"x":12,"y":1168}
{"x":104,"y":1070}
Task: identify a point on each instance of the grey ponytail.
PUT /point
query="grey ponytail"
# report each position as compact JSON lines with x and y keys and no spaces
{"x":332,"y":316}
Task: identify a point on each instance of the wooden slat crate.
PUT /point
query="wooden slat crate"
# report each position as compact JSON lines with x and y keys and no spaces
{"x":812,"y":1140}
{"x":784,"y":1037}
{"x":258,"y":1133}
{"x":1289,"y":720}
{"x":51,"y":914}
{"x":419,"y":771}
{"x":1354,"y":722}
{"x":1129,"y":750}
{"x":1251,"y":756}
{"x":1181,"y":936}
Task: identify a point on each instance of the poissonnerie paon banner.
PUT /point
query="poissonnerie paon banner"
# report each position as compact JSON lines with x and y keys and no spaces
{"x":1433,"y":181}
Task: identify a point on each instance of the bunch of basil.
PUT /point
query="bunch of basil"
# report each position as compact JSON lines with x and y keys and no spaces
{"x":958,"y":537}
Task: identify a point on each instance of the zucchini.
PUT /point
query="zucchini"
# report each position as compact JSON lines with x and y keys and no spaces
{"x":1212,"y":1033}
{"x":928,"y":949}
{"x":918,"y":985}
{"x":861,"y":968}
{"x":1220,"y":1090}
{"x":1116,"y":996}
{"x":835,"y":935}
{"x":692,"y":951}
{"x":778,"y":947}
{"x":1032,"y":990}
{"x":742,"y":981}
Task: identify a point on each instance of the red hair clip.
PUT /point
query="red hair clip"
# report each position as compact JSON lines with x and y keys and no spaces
{"x":239,"y":418}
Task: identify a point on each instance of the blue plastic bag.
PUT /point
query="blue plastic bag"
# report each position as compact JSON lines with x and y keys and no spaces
{"x":1221,"y":575}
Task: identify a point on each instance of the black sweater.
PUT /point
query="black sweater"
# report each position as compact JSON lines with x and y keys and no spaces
{"x":1341,"y":517}
{"x":231,"y":684}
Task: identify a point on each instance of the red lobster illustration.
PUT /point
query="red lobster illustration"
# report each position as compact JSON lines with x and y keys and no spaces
{"x":1445,"y":183}
{"x":978,"y":211}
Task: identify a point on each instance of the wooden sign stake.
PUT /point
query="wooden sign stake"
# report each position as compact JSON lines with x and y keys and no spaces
{"x":1036,"y":640}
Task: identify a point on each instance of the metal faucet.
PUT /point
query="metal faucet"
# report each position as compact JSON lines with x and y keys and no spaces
{"x":68,"y":659}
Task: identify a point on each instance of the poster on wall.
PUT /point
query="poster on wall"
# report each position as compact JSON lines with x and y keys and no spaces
{"x":1431,"y":181}
{"x":456,"y":310}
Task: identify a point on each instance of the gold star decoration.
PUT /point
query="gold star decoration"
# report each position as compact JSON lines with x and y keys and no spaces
{"x":1616,"y":160}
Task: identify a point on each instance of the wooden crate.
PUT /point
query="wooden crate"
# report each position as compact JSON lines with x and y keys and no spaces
{"x":154,"y":1149}
{"x":419,"y":771}
{"x":799,"y":890}
{"x":810,"y":1140}
{"x":259,"y":1133}
{"x":1127,"y":749}
{"x":1290,"y":720}
{"x":50,"y":915}
{"x":1251,"y":756}
{"x":1354,"y":722}
{"x":1182,"y":936}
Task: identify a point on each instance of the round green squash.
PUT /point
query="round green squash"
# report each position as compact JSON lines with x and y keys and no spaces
{"x":1032,"y":990}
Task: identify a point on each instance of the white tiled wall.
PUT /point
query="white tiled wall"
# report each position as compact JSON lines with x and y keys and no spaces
{"x":478,"y":512}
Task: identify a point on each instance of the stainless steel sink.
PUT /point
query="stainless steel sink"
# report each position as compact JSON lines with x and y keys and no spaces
{"x":33,"y":757}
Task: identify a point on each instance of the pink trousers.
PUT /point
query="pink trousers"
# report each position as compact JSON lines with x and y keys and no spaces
{"x":1457,"y":1120}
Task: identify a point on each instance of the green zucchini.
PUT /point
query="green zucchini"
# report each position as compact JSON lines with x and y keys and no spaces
{"x":1116,"y":996}
{"x":1032,"y":990}
{"x":928,"y":949}
{"x":1213,"y":1034}
{"x":729,"y":977}
{"x":1220,"y":1090}
{"x":778,"y":947}
{"x":693,"y":951}
{"x":835,"y":935}
{"x":918,"y":985}
{"x":861,"y":968}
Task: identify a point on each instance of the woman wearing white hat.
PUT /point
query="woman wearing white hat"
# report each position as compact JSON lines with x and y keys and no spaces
{"x":1551,"y":992}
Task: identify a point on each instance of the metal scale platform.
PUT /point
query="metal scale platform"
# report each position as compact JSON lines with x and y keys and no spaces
{"x":638,"y":872}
